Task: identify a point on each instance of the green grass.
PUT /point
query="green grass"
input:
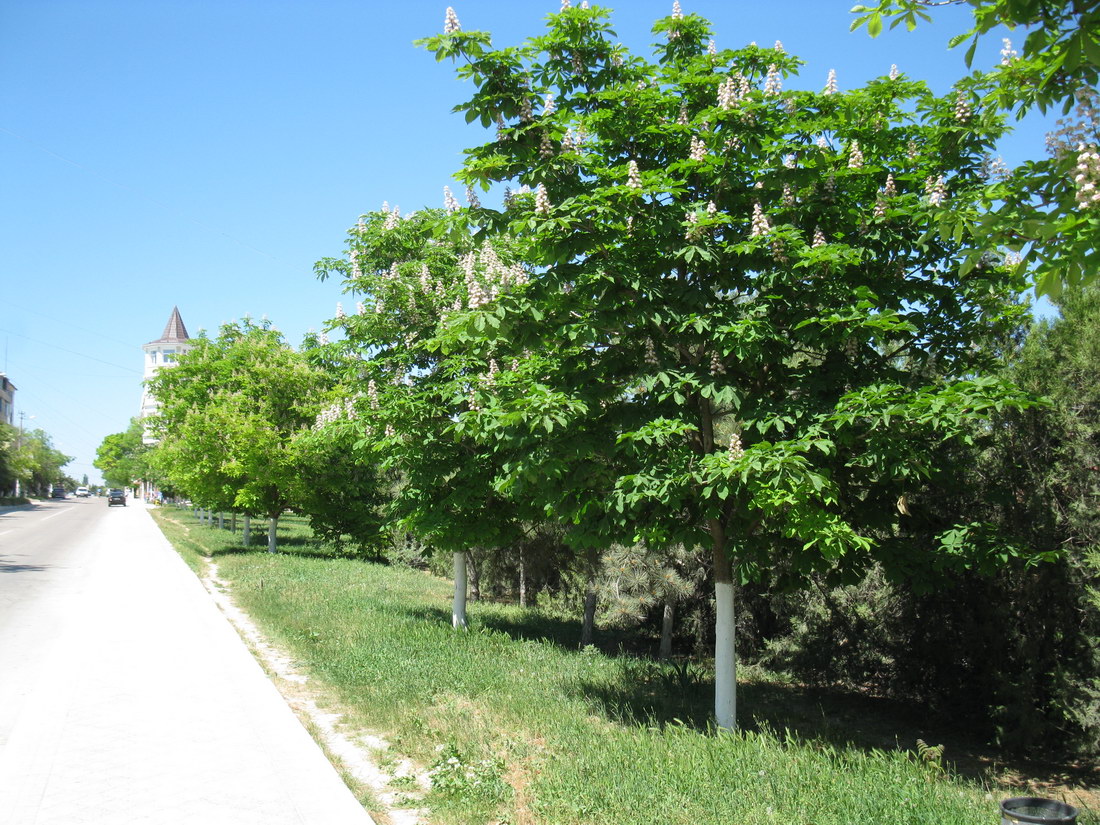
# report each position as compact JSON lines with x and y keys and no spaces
{"x":523,"y":728}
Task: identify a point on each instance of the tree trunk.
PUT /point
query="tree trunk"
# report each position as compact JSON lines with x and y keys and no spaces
{"x":522,"y":578}
{"x":272,"y":528}
{"x":247,"y":537}
{"x":221,"y":521}
{"x":725,"y":657}
{"x":667,"y":619}
{"x":475,"y":579}
{"x":458,"y":612}
{"x":233,"y":525}
{"x":589,"y":621}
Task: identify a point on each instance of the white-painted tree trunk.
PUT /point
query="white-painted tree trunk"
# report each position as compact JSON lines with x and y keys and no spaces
{"x":725,"y":658}
{"x":247,"y":529}
{"x":458,"y":612}
{"x":272,"y":527}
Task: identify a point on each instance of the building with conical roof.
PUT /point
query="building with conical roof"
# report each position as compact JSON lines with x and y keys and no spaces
{"x":164,"y":351}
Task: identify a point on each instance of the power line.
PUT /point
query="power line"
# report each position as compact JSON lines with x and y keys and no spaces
{"x":71,"y":352}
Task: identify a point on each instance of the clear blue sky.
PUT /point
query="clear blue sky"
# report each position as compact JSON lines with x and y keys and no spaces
{"x":204,"y":153}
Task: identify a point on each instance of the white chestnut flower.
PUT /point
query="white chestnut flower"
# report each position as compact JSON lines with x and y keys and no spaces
{"x":548,"y":105}
{"x":788,"y":195}
{"x":735,"y":450}
{"x":677,"y":13}
{"x":1087,"y":177}
{"x":712,"y":49}
{"x":830,"y":83}
{"x":773,"y":84}
{"x":894,"y":73}
{"x":698,"y":149}
{"x":391,"y":219}
{"x":546,"y":147}
{"x":712,"y":208}
{"x":633,"y":178}
{"x":692,"y":220}
{"x":565,"y":4}
{"x":727,"y":94}
{"x":1008,"y":54}
{"x":855,"y":156}
{"x":340,"y":314}
{"x":819,"y":238}
{"x":450,"y":202}
{"x":322,"y":339}
{"x":472,"y":199}
{"x":372,"y":394}
{"x":450,"y":23}
{"x":962,"y":107}
{"x":936,"y":189}
{"x":822,"y":143}
{"x":682,"y":118}
{"x":890,"y":189}
{"x":542,"y":201}
{"x":760,"y":225}
{"x":360,"y":308}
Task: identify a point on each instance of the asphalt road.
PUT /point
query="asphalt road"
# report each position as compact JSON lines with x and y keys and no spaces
{"x":126,"y":696}
{"x":43,"y":567}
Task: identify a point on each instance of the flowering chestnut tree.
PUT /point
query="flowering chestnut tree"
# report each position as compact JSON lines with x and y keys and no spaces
{"x":413,"y":401}
{"x":747,"y":325}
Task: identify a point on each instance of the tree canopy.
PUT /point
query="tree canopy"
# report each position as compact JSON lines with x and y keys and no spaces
{"x":229,"y":409}
{"x":744,"y":321}
{"x":1047,"y":209}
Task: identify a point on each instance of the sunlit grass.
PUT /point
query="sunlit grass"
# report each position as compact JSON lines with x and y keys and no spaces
{"x":526,"y":729}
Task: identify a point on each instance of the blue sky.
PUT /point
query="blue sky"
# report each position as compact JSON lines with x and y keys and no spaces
{"x":204,"y":153}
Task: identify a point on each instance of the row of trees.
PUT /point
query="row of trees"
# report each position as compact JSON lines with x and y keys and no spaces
{"x":721,"y":332}
{"x":30,"y":462}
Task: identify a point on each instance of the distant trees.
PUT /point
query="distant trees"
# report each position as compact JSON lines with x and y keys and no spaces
{"x":229,"y":411}
{"x":122,"y":458}
{"x":29,"y":458}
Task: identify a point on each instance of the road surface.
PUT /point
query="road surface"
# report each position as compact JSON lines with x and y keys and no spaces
{"x":125,"y":695}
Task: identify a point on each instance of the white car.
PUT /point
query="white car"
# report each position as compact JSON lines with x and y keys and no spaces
{"x":82,"y":492}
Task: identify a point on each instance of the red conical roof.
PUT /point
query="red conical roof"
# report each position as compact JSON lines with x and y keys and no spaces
{"x":174,"y":331}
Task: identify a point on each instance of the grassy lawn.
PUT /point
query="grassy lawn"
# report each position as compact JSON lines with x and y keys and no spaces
{"x":521,"y":727}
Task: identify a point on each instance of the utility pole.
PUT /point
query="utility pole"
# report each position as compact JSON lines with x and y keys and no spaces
{"x":18,"y":447}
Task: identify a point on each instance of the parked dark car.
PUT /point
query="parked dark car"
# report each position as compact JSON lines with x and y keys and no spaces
{"x":116,"y":497}
{"x":58,"y":492}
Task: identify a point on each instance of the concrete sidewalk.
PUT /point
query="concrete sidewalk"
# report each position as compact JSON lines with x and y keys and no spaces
{"x":147,"y":708}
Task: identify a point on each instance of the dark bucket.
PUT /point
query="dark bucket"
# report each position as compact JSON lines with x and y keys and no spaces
{"x":1031,"y":809}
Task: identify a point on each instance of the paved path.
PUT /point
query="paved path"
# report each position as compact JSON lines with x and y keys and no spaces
{"x":127,"y":698}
